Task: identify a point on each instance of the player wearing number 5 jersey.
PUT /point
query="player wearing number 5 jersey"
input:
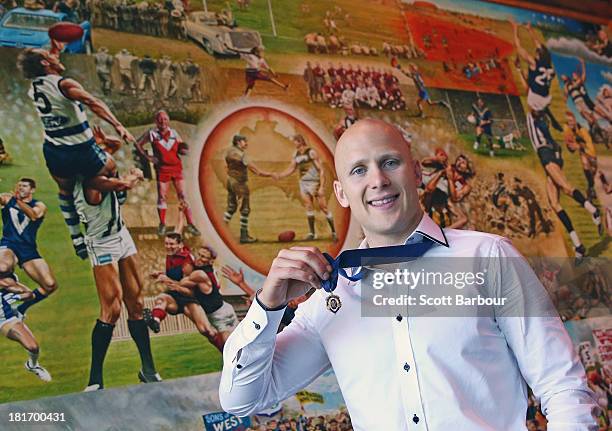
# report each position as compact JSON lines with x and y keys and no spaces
{"x":69,"y":147}
{"x":539,"y":75}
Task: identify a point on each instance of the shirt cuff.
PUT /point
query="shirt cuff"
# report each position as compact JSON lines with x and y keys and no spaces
{"x":262,"y":305}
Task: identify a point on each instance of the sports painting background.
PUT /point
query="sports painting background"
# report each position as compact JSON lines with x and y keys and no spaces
{"x":420,"y":65}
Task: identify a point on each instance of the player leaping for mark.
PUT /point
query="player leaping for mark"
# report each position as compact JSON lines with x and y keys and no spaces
{"x":69,"y":147}
{"x":167,"y":147}
{"x":116,"y":270}
{"x":539,"y":75}
{"x":549,"y":153}
{"x":414,"y":74}
{"x":22,"y":216}
{"x":312,"y":183}
{"x":13,"y":327}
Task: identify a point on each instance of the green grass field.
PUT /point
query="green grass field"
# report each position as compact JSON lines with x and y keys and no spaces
{"x":292,"y":23}
{"x":62,"y":324}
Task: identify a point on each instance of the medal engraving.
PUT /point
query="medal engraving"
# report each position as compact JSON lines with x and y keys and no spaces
{"x":333,"y":303}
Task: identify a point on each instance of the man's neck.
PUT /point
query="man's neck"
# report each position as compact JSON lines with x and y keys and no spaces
{"x":399,"y":238}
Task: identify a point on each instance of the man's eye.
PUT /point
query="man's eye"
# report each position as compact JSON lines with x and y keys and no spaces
{"x":359,"y":170}
{"x":391,"y":163}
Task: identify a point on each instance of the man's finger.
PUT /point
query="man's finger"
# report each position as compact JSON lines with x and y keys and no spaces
{"x":316,"y":252}
{"x":312,"y":258}
{"x":298,"y":275}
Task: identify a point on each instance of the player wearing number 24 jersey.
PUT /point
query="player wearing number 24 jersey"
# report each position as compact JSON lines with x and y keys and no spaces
{"x":69,"y":146}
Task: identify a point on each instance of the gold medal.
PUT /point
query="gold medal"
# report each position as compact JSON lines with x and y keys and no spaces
{"x":333,"y":303}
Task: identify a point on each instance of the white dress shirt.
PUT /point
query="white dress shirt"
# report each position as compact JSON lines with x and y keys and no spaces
{"x":415,"y":373}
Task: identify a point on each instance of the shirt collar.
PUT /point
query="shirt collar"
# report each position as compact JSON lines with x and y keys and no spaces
{"x":426,"y":228}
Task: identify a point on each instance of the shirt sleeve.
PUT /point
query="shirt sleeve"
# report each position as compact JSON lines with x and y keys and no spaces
{"x":541,"y":345}
{"x":261,"y":368}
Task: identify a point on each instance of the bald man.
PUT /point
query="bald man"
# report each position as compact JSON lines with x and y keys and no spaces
{"x":404,"y":372}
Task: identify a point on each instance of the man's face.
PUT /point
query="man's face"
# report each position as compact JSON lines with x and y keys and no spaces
{"x":602,"y":35}
{"x":162,"y":121}
{"x":243,"y":144}
{"x":571,"y":120}
{"x":480,"y":103}
{"x":441,"y":156}
{"x":377,"y":179}
{"x":172,"y":246}
{"x":51,"y":62}
{"x":461,"y":164}
{"x":299,"y":145}
{"x":271,"y":426}
{"x":203,"y":257}
{"x":24,"y":190}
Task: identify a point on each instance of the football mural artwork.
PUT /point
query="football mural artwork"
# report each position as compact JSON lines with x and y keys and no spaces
{"x":155,"y":157}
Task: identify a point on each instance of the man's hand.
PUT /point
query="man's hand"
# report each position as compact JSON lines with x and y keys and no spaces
{"x":56,"y":47}
{"x":321,"y":191}
{"x":162,"y":278}
{"x":294,"y":272}
{"x":125,"y":134}
{"x":211,"y":331}
{"x":107,"y":143}
{"x":155,"y":275}
{"x":136,"y":172}
{"x":99,"y":135}
{"x":152,"y":159}
{"x":233,"y":276}
{"x":132,"y":179}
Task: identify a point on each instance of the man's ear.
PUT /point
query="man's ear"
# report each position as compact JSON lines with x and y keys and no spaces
{"x":418,"y":173}
{"x":339,"y":192}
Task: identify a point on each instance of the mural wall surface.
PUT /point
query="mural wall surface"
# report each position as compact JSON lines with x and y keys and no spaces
{"x":221,"y":118}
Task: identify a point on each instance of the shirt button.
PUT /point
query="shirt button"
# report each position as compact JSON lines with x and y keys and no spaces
{"x":239,"y":366}
{"x":399,"y":317}
{"x":406,"y":366}
{"x":257,"y":325}
{"x":415,"y":419}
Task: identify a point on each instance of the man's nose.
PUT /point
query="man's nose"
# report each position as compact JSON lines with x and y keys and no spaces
{"x":378,"y":178}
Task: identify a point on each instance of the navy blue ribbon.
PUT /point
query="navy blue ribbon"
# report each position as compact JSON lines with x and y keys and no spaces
{"x":371,"y":256}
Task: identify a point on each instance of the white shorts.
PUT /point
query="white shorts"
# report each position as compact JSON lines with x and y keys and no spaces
{"x":224,"y":319}
{"x":110,"y":249}
{"x":308,"y":187}
{"x":537,"y":102}
{"x":9,"y":315}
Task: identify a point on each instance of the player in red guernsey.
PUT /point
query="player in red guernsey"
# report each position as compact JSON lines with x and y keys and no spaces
{"x":167,"y":148}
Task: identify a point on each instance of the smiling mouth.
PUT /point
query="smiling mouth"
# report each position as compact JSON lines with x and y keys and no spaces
{"x":383,"y":202}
